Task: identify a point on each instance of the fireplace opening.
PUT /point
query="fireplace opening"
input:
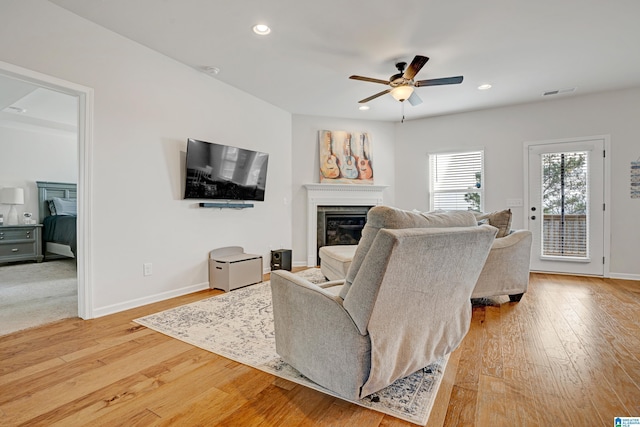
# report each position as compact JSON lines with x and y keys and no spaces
{"x":343,"y":229}
{"x":340,"y":225}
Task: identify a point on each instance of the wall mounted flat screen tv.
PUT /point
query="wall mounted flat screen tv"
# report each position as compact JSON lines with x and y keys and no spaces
{"x":224,"y":172}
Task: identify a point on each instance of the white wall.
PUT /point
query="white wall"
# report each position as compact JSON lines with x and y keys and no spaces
{"x":502,"y":132}
{"x":30,"y":155}
{"x":146,"y":106}
{"x":306,"y":165}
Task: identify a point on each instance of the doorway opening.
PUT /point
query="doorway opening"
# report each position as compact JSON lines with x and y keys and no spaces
{"x":84,"y":96}
{"x":567,"y":190}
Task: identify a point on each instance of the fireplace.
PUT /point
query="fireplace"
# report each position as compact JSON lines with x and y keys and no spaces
{"x":320,"y":197}
{"x":340,"y":225}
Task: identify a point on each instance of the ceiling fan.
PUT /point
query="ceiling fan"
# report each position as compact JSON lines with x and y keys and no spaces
{"x":402,"y":84}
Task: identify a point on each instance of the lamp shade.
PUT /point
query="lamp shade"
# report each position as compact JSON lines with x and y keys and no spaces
{"x":12,"y":196}
{"x":402,"y":93}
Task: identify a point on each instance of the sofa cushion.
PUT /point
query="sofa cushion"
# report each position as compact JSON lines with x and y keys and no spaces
{"x":499,"y":219}
{"x":380,"y":217}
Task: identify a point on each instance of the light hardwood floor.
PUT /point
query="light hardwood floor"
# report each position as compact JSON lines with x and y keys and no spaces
{"x":566,"y":355}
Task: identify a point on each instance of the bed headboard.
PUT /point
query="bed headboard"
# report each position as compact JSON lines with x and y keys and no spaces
{"x":48,"y":190}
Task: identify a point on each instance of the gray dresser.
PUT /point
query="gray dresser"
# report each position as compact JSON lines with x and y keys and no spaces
{"x":21,"y":243}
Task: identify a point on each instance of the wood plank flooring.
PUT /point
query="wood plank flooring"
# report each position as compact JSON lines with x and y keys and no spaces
{"x":567,"y":354}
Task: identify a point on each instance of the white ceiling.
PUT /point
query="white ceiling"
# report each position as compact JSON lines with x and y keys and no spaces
{"x":27,"y":106}
{"x":522,"y":48}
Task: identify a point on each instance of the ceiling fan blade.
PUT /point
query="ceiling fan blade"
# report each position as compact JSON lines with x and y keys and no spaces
{"x":436,"y":82}
{"x":414,"y":99}
{"x":374,"y":96}
{"x":369,"y":79}
{"x":415,"y":66}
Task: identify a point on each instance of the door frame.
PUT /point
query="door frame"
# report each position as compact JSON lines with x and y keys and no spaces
{"x":606,"y":240}
{"x":85,"y":163}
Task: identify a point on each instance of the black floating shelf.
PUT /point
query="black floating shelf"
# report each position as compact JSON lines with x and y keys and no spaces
{"x":227,"y":205}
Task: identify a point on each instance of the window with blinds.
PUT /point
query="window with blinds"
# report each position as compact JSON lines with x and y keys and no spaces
{"x":455,"y":180}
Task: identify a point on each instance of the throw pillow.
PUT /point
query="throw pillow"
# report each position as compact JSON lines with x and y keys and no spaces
{"x":499,"y":219}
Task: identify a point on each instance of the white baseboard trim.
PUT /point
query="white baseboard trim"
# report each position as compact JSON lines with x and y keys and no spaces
{"x":116,"y":308}
{"x":299,"y":263}
{"x":624,"y":276}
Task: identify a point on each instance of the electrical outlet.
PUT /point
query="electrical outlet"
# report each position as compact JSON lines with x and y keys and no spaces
{"x":147,"y":269}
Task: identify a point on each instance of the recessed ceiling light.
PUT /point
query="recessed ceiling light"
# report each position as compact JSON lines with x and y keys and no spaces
{"x":484,"y":86}
{"x":261,"y":29}
{"x":363,"y":107}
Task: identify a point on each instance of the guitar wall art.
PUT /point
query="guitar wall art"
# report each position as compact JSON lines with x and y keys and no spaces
{"x":345,"y":157}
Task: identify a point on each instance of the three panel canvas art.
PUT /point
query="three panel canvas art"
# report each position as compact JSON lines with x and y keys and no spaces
{"x":345,"y":157}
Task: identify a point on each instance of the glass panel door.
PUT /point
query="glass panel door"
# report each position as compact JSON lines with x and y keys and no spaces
{"x":566,"y":210}
{"x":565,"y":201}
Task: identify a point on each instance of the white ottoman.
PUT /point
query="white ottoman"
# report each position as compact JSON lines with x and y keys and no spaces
{"x":336,"y":260}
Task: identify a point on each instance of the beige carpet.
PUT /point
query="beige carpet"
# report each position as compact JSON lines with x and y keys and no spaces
{"x":239,"y":325}
{"x":34,"y":294}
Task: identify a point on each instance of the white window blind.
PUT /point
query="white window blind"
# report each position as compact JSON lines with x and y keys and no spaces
{"x":455,"y":180}
{"x":566,"y":204}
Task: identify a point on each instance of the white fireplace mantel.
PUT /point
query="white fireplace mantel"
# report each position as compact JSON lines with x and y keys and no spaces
{"x":335,"y":195}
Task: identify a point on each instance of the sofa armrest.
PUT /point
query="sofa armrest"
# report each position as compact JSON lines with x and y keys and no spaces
{"x":511,"y":239}
{"x":506,"y":271}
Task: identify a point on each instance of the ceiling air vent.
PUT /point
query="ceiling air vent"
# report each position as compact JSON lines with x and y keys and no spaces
{"x":559,"y":91}
{"x":18,"y":110}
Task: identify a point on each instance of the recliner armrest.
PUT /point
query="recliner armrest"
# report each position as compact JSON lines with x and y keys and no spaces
{"x":333,"y":287}
{"x":299,"y":281}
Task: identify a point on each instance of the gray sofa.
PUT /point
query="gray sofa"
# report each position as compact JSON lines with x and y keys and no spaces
{"x":404,"y":303}
{"x":506,"y":271}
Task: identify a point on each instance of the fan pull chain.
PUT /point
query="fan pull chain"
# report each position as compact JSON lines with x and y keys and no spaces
{"x":402,"y":104}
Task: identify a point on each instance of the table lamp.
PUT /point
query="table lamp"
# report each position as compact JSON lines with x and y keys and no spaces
{"x":12,"y":196}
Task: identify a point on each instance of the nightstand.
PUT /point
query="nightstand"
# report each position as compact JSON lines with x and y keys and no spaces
{"x":21,"y":243}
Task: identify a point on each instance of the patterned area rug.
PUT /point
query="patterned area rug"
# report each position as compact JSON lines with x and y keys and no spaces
{"x":239,"y":325}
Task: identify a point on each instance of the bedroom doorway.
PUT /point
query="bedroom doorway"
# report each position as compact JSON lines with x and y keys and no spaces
{"x":84,"y":98}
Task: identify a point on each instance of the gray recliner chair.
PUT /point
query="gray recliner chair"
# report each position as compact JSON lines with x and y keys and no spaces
{"x":405,"y":303}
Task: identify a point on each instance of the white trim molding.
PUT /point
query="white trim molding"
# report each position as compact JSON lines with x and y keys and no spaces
{"x":335,"y":195}
{"x":624,"y":276}
{"x":150,"y":299}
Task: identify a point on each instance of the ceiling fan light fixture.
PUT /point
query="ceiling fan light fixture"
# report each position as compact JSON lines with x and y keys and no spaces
{"x":261,"y":29}
{"x":401,"y":93}
{"x":363,"y":107}
{"x":484,"y":86}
